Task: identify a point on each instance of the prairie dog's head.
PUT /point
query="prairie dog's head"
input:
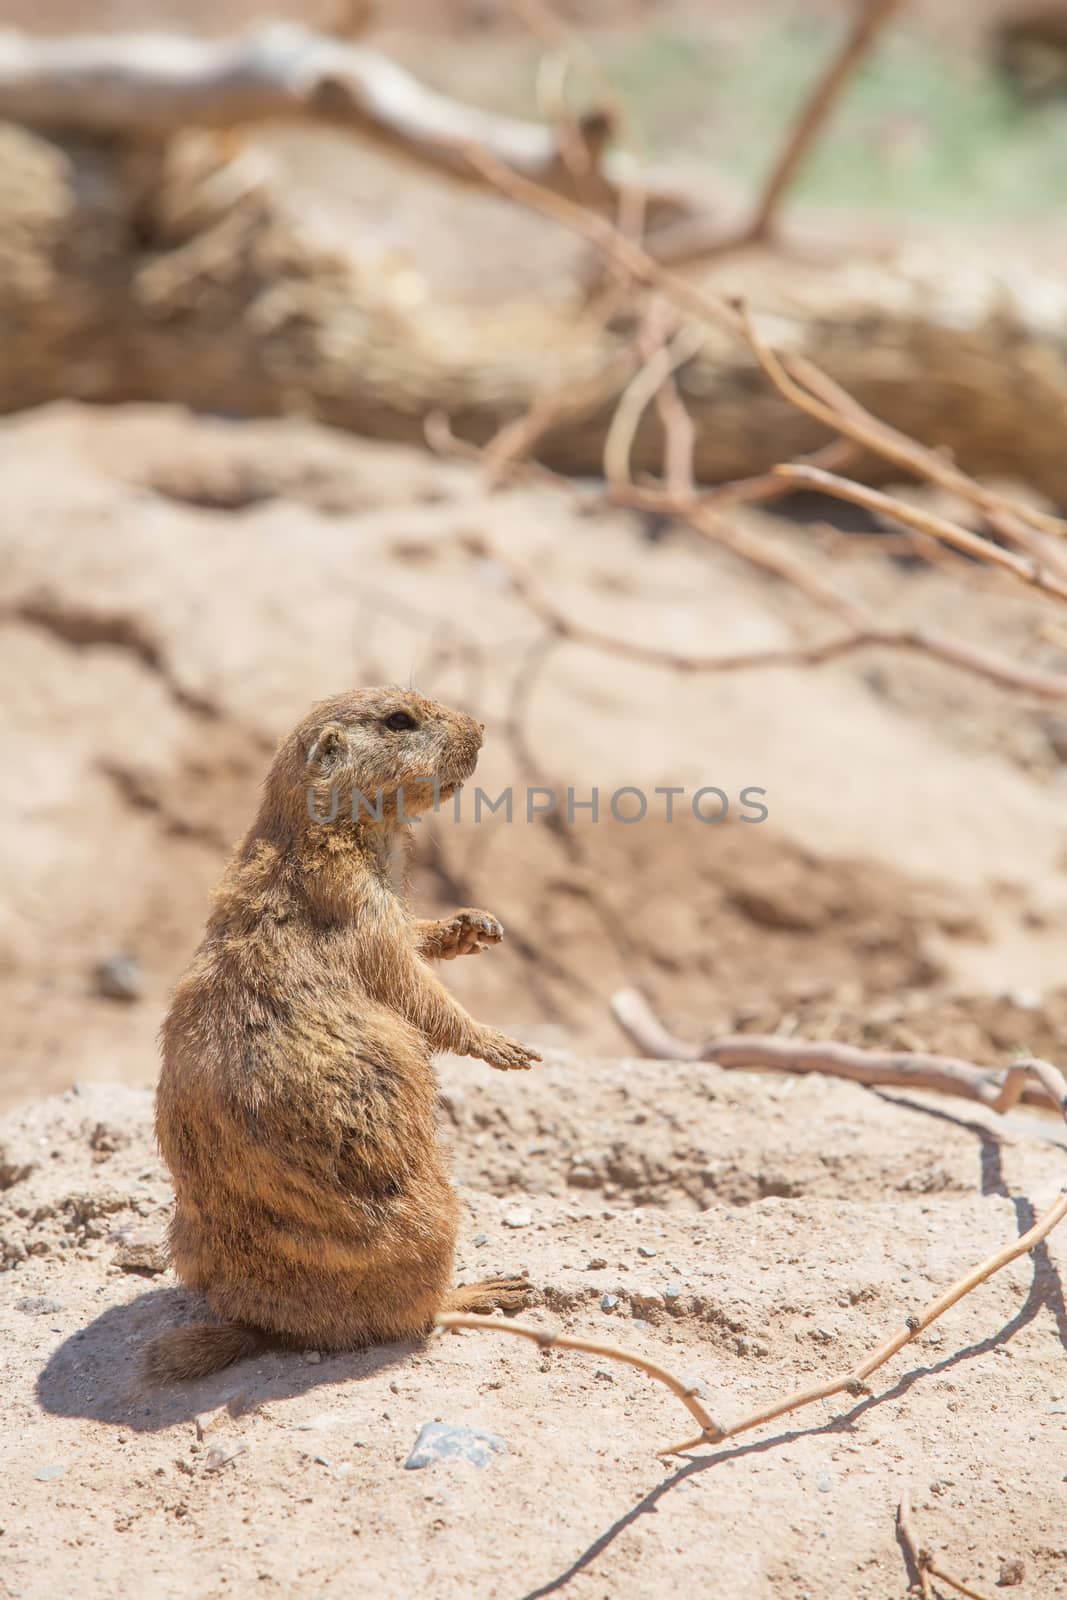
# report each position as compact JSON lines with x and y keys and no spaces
{"x":385,"y":752}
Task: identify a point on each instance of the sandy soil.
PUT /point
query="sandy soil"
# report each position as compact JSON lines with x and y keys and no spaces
{"x":754,"y":1235}
{"x":176,"y":592}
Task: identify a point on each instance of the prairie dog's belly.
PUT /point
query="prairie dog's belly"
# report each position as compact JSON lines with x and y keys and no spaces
{"x":306,"y":1151}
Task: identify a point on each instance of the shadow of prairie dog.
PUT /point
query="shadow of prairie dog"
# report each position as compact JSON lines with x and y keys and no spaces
{"x":296,"y":1103}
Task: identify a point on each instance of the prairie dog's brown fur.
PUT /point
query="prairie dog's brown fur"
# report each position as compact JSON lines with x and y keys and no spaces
{"x":296,"y":1100}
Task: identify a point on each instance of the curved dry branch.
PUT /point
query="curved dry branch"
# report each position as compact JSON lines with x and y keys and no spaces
{"x":925,"y":1564}
{"x":146,"y":86}
{"x":947,"y":532}
{"x":863,"y":630}
{"x":886,"y":1069}
{"x":853,"y":1381}
{"x":546,"y":1339}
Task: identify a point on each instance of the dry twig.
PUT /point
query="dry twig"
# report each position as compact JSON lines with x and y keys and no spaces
{"x":871,"y":17}
{"x":915,"y":1071}
{"x":700,"y":238}
{"x":909,"y":1539}
{"x":932,"y":1072}
{"x":926,"y":1566}
{"x":887,"y":1069}
{"x":854,"y":1380}
{"x":546,"y":1339}
{"x":810,"y":390}
{"x":864,"y":630}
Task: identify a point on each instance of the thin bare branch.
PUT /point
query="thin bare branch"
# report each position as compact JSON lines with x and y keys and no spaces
{"x":871,"y":18}
{"x":951,"y":533}
{"x":910,"y":1541}
{"x":803,"y":384}
{"x":925,"y":1564}
{"x":546,"y":1339}
{"x":800,"y":382}
{"x":663,"y":360}
{"x":955,"y":1583}
{"x":853,"y":1381}
{"x":900,"y":1069}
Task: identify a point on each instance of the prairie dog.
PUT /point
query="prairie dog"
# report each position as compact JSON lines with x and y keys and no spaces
{"x":296,"y":1102}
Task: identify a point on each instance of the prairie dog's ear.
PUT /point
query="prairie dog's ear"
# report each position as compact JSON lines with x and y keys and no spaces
{"x":329,"y":749}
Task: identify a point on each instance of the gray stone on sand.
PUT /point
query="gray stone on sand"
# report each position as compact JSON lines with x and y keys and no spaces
{"x":445,"y":1441}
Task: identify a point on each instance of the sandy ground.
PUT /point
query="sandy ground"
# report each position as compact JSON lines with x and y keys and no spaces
{"x":752,"y":1234}
{"x":176,"y":591}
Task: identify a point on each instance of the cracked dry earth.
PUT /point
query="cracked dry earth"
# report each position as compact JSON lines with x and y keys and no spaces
{"x":751,"y":1233}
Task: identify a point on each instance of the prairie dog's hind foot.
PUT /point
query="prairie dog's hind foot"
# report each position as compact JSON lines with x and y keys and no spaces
{"x":492,"y":1294}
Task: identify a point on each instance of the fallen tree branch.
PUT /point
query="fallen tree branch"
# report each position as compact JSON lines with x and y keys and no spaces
{"x":796,"y":378}
{"x":887,"y":1069}
{"x":148,"y":86}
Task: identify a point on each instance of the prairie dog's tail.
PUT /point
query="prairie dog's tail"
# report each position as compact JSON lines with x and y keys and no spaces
{"x":196,"y":1351}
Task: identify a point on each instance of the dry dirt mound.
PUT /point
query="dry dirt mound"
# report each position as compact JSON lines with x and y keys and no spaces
{"x":829,"y":1213}
{"x":177,"y":591}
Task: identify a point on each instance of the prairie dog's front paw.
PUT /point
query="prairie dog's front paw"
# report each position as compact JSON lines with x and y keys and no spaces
{"x":507,"y":1055}
{"x":468,"y":933}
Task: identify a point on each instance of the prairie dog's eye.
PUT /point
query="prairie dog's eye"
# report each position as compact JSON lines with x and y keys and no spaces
{"x":399,"y":721}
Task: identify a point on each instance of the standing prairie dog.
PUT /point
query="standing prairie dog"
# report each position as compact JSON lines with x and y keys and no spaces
{"x":296,"y":1103}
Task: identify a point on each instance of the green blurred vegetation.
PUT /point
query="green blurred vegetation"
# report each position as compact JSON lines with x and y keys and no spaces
{"x":919,"y":128}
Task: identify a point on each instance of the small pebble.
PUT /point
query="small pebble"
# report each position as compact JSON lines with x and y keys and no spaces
{"x":207,"y":1420}
{"x":1058,"y":1409}
{"x":444,"y":1441}
{"x":672,"y":1291}
{"x":643,"y":1250}
{"x":1011,"y":1573}
{"x":315,"y":1424}
{"x":49,"y":1473}
{"x":144,"y":1254}
{"x":595,"y":1263}
{"x":221,"y":1455}
{"x":42,"y":1305}
{"x":608,"y":1302}
{"x":520,"y":1217}
{"x":824,"y":1482}
{"x":312,"y":1357}
{"x":481,"y":1238}
{"x":119,"y":977}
